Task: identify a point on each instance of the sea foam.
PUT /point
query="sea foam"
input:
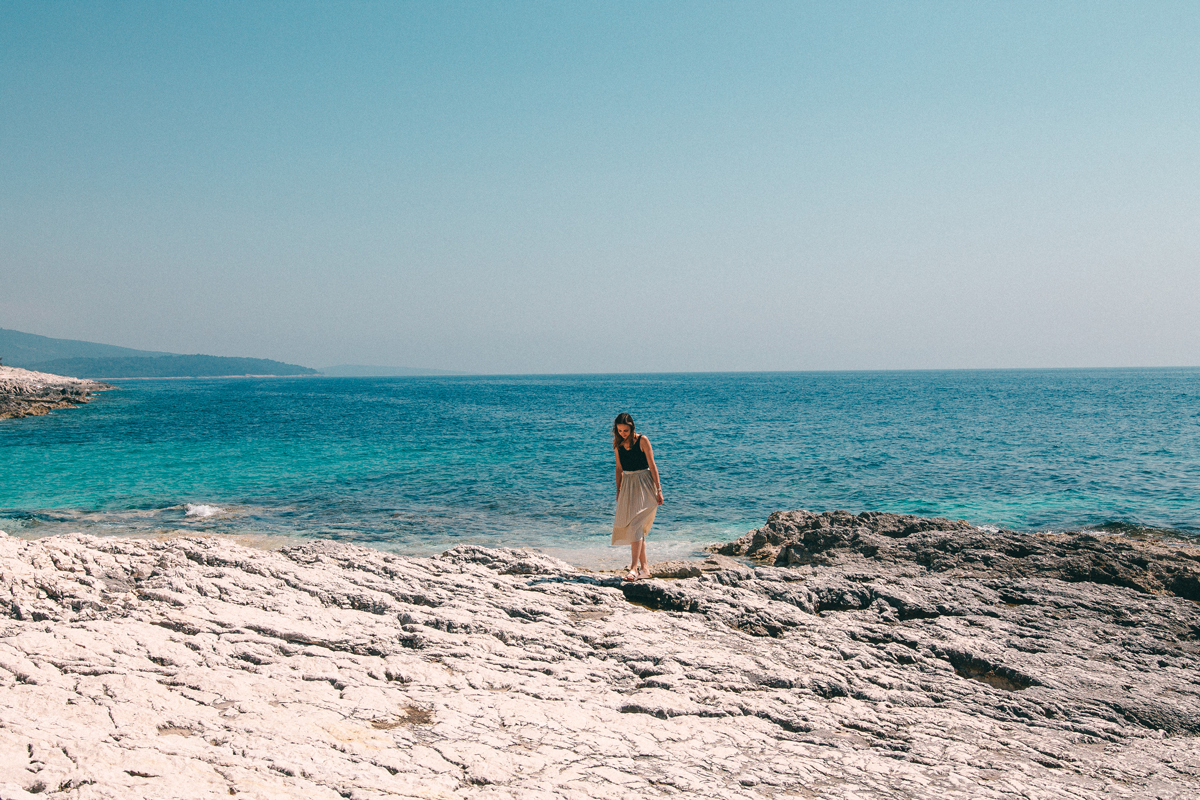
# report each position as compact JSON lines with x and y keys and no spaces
{"x":198,"y":510}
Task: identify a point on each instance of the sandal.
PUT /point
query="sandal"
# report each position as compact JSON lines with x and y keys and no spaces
{"x":630,"y":575}
{"x":644,"y":574}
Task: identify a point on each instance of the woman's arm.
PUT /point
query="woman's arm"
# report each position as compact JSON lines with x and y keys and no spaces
{"x":618,"y":455}
{"x":649,"y":451}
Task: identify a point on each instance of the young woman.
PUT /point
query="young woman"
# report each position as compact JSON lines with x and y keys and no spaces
{"x":639,"y":494}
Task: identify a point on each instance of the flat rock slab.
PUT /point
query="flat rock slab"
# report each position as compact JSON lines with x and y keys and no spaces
{"x":189,"y":668}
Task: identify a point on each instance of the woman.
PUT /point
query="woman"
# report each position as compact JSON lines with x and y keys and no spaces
{"x":639,"y":494}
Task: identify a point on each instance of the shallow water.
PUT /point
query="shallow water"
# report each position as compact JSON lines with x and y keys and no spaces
{"x":420,"y":464}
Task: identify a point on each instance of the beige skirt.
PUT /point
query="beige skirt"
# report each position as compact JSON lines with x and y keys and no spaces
{"x":636,"y":507}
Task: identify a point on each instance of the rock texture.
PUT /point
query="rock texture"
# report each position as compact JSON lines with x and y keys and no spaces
{"x":24,"y":393}
{"x":888,"y":541}
{"x":188,"y":668}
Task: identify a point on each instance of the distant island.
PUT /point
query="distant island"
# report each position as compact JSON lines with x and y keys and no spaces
{"x":370,"y":371}
{"x":105,"y":361}
{"x":20,"y":349}
{"x":197,"y":366}
{"x":94,"y":360}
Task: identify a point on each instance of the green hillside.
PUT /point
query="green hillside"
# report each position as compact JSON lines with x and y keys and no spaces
{"x":168,"y":366}
{"x":18,"y":349}
{"x":79,"y":359}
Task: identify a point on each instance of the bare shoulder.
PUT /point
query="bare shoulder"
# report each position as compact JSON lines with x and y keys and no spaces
{"x":645,"y":442}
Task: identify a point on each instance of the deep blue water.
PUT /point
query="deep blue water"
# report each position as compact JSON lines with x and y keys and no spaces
{"x":421,"y":464}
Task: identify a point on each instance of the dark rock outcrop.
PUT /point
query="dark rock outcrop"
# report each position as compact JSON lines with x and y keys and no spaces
{"x":892,"y":541}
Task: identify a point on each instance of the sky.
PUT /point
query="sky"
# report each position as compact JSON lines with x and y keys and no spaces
{"x":557,"y":187}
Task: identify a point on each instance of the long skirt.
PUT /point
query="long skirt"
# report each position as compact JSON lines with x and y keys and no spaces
{"x":636,"y":507}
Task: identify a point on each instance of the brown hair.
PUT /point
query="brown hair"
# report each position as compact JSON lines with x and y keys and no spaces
{"x":622,"y":419}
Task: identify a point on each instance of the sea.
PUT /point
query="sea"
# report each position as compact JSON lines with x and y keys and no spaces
{"x":417,"y":465}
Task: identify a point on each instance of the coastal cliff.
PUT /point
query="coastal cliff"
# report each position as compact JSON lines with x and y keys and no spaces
{"x":858,"y":663}
{"x":24,"y":393}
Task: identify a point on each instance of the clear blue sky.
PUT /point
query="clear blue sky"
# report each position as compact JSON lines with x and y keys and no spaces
{"x":593,"y":187}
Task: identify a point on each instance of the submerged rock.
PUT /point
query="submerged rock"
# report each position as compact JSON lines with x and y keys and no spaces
{"x":198,"y":668}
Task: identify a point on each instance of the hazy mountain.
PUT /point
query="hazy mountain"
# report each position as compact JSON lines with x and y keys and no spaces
{"x":19,"y":349}
{"x":369,"y":371}
{"x":93,"y":360}
{"x":169,"y":366}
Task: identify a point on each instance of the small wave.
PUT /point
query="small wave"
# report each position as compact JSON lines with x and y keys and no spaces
{"x":199,"y":510}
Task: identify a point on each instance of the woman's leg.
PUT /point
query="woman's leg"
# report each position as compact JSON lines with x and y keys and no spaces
{"x":640,"y":557}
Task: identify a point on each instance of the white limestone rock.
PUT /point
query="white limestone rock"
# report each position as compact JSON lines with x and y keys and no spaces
{"x":25,"y":393}
{"x":191,"y":668}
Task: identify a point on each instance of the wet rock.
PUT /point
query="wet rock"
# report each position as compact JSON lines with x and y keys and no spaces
{"x":692,"y":568}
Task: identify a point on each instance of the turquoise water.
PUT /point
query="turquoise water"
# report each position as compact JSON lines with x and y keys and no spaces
{"x":420,"y":464}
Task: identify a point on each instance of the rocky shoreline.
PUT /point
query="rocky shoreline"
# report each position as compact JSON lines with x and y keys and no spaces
{"x":24,"y":393}
{"x":842,"y":656}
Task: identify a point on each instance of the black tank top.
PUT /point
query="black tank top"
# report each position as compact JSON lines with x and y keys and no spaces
{"x":632,"y":459}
